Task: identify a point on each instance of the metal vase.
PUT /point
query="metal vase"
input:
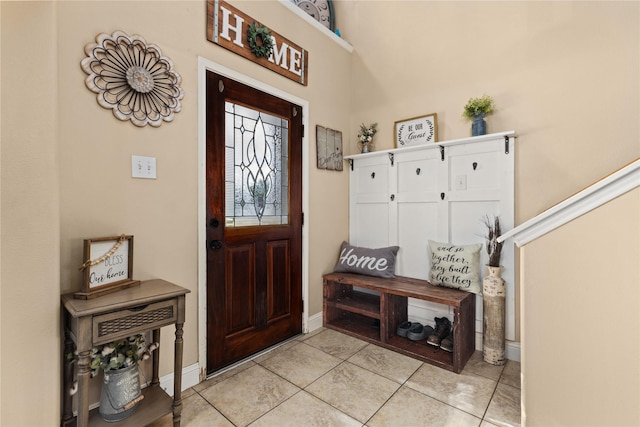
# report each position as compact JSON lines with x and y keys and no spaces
{"x":120,"y":393}
{"x":479,"y":125}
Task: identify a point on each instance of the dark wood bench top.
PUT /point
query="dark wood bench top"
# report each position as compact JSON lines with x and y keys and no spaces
{"x":403,"y":286}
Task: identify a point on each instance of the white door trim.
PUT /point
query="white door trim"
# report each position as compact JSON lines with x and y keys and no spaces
{"x":205,"y":65}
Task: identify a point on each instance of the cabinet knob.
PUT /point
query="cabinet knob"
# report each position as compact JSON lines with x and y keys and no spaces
{"x":393,"y":196}
{"x":373,"y":175}
{"x":441,"y":196}
{"x":418,"y":171}
{"x":475,"y":165}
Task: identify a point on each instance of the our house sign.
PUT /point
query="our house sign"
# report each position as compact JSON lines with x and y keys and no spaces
{"x":228,"y":27}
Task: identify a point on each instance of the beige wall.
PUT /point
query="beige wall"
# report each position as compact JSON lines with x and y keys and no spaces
{"x":30,"y":213}
{"x":66,"y":171}
{"x":564,"y":76}
{"x":570,"y":92}
{"x":582,"y":320}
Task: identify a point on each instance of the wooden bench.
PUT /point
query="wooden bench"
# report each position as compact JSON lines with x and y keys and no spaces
{"x":374,"y":318}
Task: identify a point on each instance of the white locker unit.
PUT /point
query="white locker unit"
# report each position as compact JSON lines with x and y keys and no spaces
{"x":442,"y":192}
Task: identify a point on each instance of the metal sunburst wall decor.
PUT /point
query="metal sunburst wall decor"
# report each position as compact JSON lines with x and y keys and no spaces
{"x":132,"y":78}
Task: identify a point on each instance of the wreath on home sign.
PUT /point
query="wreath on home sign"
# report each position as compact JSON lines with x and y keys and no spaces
{"x":255,"y":32}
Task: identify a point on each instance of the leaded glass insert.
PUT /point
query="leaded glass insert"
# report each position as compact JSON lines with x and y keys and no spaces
{"x":256,"y":175}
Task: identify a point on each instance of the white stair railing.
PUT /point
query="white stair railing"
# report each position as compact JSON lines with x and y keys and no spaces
{"x":597,"y":194}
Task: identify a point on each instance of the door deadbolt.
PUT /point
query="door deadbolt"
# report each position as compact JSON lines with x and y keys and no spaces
{"x":214,"y":223}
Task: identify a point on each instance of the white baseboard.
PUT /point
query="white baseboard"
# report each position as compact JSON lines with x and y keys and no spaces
{"x":315,"y":322}
{"x":190,"y":377}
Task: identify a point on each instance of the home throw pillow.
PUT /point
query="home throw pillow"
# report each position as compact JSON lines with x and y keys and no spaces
{"x":379,"y":262}
{"x":456,"y":266}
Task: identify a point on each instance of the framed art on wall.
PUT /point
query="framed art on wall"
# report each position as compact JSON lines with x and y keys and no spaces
{"x":329,"y":148}
{"x":107,"y":266}
{"x":416,"y":131}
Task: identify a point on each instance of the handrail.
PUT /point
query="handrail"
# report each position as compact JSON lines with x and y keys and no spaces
{"x":608,"y":188}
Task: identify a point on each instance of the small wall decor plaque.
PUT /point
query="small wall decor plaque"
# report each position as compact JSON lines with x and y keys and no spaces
{"x":329,"y":148}
{"x":416,"y":131}
{"x":107,"y":266}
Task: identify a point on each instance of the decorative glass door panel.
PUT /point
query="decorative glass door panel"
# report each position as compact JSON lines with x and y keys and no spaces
{"x":256,"y":175}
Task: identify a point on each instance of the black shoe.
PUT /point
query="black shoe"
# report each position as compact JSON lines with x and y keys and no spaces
{"x":403,"y":328}
{"x":447,"y":343}
{"x":443,"y":328}
{"x":419,"y":332}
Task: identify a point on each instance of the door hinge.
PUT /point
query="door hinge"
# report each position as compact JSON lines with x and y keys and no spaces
{"x":301,"y":218}
{"x":302,"y":306}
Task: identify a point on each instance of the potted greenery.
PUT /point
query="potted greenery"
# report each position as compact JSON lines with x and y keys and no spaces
{"x":365,"y":136}
{"x":121,"y":384}
{"x":475,"y":110}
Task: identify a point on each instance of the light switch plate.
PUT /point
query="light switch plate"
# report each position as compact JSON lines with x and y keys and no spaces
{"x":143,"y":167}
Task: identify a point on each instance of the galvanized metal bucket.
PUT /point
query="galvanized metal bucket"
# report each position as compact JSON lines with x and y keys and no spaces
{"x":120,"y":393}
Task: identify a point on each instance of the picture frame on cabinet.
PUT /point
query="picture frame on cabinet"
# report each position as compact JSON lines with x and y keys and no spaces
{"x":107,"y":266}
{"x":416,"y":131}
{"x":329,"y":148}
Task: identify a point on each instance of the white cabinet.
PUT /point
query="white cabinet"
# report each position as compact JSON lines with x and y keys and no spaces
{"x":442,"y":191}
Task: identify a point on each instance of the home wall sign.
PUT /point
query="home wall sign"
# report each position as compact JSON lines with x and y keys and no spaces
{"x":329,"y":148}
{"x":132,"y":78}
{"x":107,"y":266}
{"x":238,"y":32}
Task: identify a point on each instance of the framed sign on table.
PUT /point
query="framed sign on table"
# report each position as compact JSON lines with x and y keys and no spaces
{"x":107,"y":266}
{"x":416,"y":131}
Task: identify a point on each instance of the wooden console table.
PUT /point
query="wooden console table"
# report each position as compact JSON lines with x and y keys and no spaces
{"x":88,"y":323}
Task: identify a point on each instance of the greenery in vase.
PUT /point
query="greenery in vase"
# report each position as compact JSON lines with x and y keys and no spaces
{"x":494,"y":248}
{"x":365,"y":136}
{"x":476,"y":106}
{"x":120,"y":354}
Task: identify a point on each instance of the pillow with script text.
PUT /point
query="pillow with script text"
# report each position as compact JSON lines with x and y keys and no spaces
{"x":379,"y":262}
{"x":456,"y":266}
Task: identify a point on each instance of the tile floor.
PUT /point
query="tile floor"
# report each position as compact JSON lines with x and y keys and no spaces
{"x":330,"y":379}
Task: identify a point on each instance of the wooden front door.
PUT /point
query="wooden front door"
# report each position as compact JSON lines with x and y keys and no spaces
{"x":254,"y":220}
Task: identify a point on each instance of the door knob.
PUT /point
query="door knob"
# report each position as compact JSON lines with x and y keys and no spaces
{"x":214,"y":223}
{"x":215,"y":244}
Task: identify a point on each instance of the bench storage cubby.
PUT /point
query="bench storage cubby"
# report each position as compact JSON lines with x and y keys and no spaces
{"x":374,"y":318}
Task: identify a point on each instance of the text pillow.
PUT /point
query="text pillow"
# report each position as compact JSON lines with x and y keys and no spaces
{"x":456,"y":266}
{"x":379,"y":262}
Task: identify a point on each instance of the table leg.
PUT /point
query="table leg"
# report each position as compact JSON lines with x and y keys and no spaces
{"x":156,"y":358}
{"x":68,"y":361}
{"x":177,"y":377}
{"x":84,"y":373}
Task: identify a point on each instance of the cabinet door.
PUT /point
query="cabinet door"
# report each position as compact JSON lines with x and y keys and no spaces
{"x":417,"y":177}
{"x":480,"y":183}
{"x":369,"y":202}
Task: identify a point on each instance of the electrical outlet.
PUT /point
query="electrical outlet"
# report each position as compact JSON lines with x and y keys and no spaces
{"x":143,"y":167}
